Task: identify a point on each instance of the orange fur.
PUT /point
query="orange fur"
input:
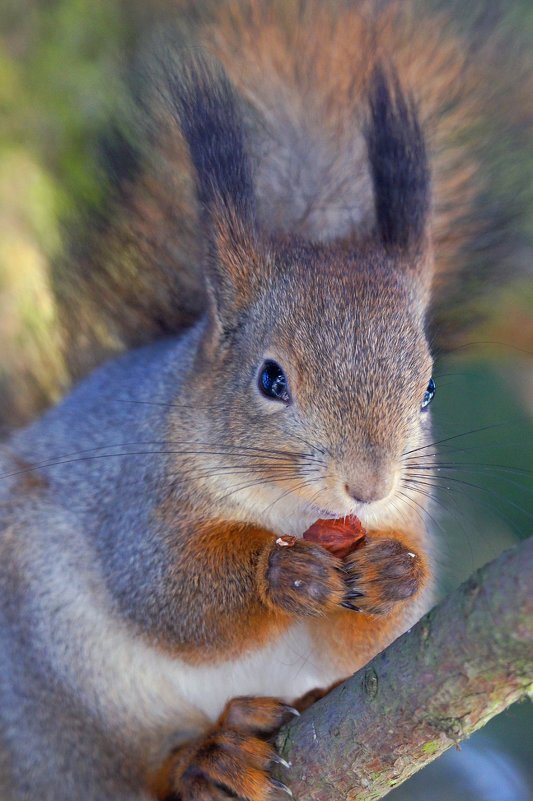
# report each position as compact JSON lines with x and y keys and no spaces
{"x":220,"y":551}
{"x":352,"y":640}
{"x":231,"y":754}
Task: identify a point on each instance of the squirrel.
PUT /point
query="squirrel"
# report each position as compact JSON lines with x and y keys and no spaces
{"x":153,"y":634}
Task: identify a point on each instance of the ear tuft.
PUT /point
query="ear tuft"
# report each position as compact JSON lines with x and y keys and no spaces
{"x":398,"y":162}
{"x":212,"y":125}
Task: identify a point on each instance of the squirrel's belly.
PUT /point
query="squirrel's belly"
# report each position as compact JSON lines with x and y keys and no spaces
{"x":148,"y":690}
{"x":287,"y":668}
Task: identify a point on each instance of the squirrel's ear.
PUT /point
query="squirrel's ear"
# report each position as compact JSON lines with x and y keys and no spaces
{"x":212,"y":126}
{"x":398,"y":164}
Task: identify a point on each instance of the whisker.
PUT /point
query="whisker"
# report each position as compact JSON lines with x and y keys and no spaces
{"x":470,"y":499}
{"x":454,"y":514}
{"x":290,"y":491}
{"x":322,"y":449}
{"x":426,"y":494}
{"x":482,"y":489}
{"x":477,"y":465}
{"x":435,"y":499}
{"x":242,"y":471}
{"x":312,"y":499}
{"x":426,"y":511}
{"x":455,"y":436}
{"x":398,"y":509}
{"x":433,"y":472}
{"x":490,"y":342}
{"x":152,"y":403}
{"x":288,"y":456}
{"x":409,"y":501}
{"x":255,"y":483}
{"x":448,"y":450}
{"x":229,"y":471}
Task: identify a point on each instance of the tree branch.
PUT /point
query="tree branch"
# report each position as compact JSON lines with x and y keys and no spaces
{"x":464,"y":662}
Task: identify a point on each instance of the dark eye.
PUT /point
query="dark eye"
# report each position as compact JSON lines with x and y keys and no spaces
{"x":428,"y":394}
{"x":272,"y":382}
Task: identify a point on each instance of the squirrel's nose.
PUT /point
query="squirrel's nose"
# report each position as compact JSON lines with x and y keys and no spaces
{"x":369,"y":490}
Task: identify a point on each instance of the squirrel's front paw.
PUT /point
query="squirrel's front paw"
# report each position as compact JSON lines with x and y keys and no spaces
{"x":231,"y":761}
{"x":303,"y":579}
{"x":306,"y":579}
{"x":383,"y":572}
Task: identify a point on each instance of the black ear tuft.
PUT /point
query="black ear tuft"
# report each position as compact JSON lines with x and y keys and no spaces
{"x":398,"y":162}
{"x":212,"y":125}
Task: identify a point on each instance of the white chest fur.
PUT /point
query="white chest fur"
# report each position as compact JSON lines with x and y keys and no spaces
{"x":136,"y":687}
{"x":286,"y":668}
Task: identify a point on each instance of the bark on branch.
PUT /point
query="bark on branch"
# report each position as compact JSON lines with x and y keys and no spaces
{"x":464,"y":662}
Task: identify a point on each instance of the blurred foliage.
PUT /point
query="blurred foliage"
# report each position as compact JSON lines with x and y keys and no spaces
{"x":58,"y":84}
{"x":63,"y":69}
{"x":58,"y":66}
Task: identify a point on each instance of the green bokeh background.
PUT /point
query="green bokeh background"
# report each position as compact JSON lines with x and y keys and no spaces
{"x":62,"y":64}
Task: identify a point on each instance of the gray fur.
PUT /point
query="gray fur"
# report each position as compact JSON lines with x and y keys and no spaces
{"x":116,"y":625}
{"x":90,"y":530}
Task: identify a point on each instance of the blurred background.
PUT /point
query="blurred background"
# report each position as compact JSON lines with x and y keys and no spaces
{"x":64,"y":65}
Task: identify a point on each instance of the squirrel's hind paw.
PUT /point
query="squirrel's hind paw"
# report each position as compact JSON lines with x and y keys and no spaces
{"x":230,"y":761}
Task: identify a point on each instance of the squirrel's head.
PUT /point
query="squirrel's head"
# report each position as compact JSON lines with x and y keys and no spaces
{"x":314,"y":356}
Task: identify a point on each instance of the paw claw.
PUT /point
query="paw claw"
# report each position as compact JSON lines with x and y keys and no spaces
{"x":348,"y":605}
{"x":280,"y":761}
{"x":280,"y":786}
{"x":353,"y":594}
{"x":232,"y":759}
{"x":303,"y":580}
{"x":381,"y":574}
{"x":292,"y":710}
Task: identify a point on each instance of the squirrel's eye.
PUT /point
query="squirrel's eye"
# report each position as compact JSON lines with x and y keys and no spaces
{"x":272,"y":382}
{"x":428,"y":394}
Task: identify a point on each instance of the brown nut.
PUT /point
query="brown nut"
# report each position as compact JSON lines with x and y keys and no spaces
{"x":339,"y":537}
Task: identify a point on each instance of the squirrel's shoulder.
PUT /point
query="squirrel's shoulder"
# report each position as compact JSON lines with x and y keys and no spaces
{"x":122,"y":400}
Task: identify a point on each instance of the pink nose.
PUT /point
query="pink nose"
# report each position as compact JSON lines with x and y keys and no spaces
{"x":369,"y":490}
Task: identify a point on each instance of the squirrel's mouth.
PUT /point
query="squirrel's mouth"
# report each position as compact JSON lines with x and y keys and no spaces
{"x":372,"y":516}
